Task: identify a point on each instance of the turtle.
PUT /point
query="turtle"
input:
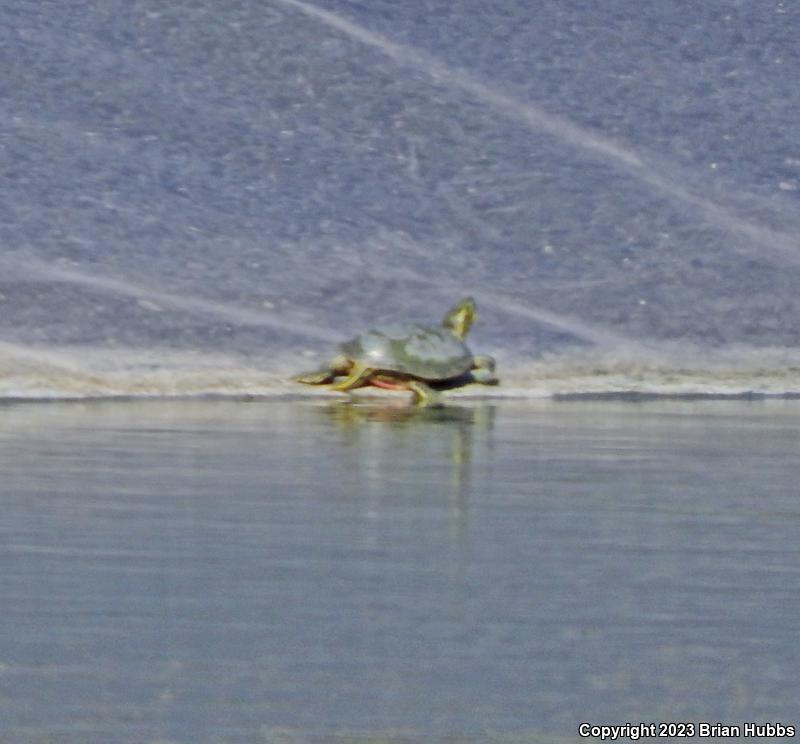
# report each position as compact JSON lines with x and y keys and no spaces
{"x":406,"y":356}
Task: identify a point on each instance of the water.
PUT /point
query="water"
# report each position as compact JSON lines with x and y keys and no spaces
{"x":199,"y":199}
{"x":295,"y":572}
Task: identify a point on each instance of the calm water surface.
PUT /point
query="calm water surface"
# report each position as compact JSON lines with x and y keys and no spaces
{"x":198,"y":572}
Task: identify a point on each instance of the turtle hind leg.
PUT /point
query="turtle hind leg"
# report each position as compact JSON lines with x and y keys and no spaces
{"x":358,"y":377}
{"x":339,"y":365}
{"x":424,"y":395}
{"x":317,"y":377}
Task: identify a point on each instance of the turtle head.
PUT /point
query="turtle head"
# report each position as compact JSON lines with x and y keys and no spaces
{"x":460,"y":318}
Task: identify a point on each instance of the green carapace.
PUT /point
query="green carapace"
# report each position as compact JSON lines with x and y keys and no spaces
{"x":406,"y":356}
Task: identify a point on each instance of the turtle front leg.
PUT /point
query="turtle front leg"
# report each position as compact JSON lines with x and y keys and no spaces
{"x":424,"y":395}
{"x":357,"y":377}
{"x":483,"y":370}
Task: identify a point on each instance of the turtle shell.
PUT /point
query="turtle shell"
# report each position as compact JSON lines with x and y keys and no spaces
{"x":419,"y":351}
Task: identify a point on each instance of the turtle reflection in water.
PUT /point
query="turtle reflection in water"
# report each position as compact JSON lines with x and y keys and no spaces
{"x":409,"y":357}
